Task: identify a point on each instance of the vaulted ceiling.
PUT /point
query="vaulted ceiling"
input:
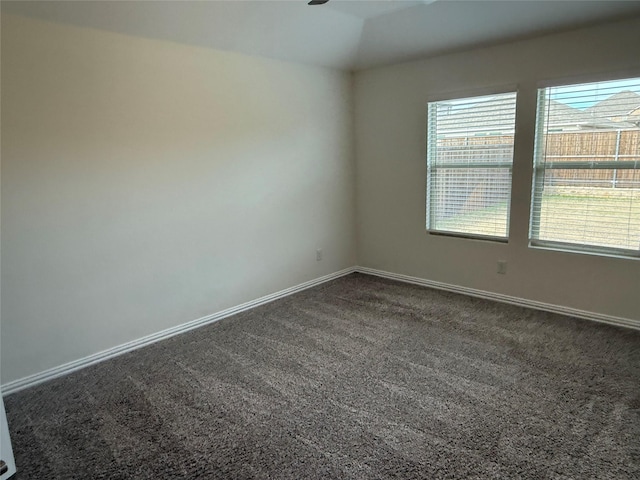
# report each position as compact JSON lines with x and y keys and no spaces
{"x":344,"y":34}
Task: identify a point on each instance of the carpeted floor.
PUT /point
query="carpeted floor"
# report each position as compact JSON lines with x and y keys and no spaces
{"x":359,"y":378}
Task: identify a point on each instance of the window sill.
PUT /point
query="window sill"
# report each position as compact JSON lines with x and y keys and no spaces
{"x":468,"y":236}
{"x":594,"y":251}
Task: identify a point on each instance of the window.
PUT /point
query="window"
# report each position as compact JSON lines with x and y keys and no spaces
{"x":586,"y":186}
{"x":469,"y":160}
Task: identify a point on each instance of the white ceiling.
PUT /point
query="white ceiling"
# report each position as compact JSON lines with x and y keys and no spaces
{"x":369,"y":8}
{"x":345,"y":34}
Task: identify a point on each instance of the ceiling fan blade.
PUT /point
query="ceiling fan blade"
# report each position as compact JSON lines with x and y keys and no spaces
{"x":317,"y":2}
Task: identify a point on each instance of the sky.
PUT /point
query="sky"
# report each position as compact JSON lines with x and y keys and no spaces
{"x":580,"y":96}
{"x":577,"y":96}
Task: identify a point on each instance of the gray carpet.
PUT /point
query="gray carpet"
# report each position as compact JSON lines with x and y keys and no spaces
{"x":359,"y":378}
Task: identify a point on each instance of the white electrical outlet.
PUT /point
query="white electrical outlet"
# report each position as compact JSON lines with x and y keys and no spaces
{"x":319,"y":254}
{"x":502,"y":267}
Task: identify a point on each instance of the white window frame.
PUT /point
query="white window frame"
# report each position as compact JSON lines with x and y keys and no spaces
{"x":538,"y":171}
{"x":510,"y":88}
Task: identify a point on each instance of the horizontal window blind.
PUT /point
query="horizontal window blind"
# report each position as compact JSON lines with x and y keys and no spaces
{"x":586,"y":190}
{"x":469,"y":160}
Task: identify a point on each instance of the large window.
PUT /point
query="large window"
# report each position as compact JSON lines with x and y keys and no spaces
{"x":586,"y":188}
{"x":469,"y":160}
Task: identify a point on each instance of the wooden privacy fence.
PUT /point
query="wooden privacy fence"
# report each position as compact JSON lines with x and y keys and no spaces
{"x":620,"y":145}
{"x":462,"y":190}
{"x":457,"y":187}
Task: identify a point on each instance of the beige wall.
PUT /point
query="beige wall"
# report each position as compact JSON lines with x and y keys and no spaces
{"x":390,"y":124}
{"x":146,"y":184}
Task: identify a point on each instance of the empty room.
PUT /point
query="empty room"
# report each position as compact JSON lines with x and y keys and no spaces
{"x":343,"y":239}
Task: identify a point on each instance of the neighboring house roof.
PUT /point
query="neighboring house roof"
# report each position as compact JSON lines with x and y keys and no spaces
{"x":562,"y":115}
{"x":617,"y":107}
{"x":634,"y":117}
{"x":453,"y":119}
{"x":621,"y":110}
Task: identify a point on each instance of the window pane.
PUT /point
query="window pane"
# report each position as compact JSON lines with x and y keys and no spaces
{"x":470,"y":153}
{"x":581,"y":207}
{"x":473,"y":201}
{"x":587,"y":166}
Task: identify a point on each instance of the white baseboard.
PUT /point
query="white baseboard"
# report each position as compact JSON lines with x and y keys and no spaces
{"x":498,"y":297}
{"x":32,"y":380}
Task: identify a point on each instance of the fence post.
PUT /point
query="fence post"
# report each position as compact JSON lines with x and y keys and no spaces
{"x":614,"y":181}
